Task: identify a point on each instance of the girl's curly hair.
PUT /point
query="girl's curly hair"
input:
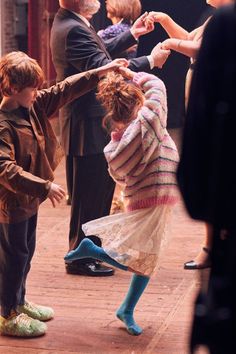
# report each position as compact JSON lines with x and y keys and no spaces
{"x":120,"y":98}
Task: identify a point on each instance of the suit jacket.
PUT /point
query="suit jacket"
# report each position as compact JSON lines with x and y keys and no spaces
{"x":76,"y":48}
{"x":206,"y":173}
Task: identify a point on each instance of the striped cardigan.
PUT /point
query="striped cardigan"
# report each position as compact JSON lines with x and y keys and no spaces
{"x":143,"y":158}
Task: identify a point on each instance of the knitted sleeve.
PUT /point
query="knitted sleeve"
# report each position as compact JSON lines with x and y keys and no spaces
{"x":155,"y":101}
{"x":131,"y":154}
{"x":153,"y":115}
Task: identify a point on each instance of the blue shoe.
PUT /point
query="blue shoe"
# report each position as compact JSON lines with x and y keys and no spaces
{"x":82,"y":251}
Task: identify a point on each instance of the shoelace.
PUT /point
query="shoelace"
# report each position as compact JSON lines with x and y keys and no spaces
{"x":23,"y":319}
{"x":29,"y":305}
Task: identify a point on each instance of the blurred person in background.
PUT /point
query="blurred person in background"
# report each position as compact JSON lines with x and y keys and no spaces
{"x":207,"y":179}
{"x":122,"y":16}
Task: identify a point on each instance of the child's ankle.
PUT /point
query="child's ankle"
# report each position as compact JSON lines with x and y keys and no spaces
{"x":8,"y":315}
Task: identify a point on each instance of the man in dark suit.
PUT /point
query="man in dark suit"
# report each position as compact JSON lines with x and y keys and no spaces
{"x":75,"y":48}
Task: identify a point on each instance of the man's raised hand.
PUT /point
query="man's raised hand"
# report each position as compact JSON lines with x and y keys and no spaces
{"x":142,"y":25}
{"x":112,"y":66}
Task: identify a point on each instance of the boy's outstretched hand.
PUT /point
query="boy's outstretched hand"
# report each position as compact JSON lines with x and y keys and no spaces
{"x":56,"y":194}
{"x":112,"y":66}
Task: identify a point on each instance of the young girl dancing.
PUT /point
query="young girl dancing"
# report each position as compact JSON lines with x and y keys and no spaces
{"x":143,"y":159}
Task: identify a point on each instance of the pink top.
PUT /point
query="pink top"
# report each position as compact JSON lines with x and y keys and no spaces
{"x":143,"y":158}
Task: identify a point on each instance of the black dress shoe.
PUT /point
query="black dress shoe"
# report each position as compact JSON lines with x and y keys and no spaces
{"x":191,"y":265}
{"x":94,"y":269}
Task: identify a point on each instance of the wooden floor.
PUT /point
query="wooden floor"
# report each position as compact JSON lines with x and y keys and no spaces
{"x":84,"y":306}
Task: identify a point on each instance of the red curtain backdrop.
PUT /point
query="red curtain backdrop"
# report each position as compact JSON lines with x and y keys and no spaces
{"x":40,"y":17}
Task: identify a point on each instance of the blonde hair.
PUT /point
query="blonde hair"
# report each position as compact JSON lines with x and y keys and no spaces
{"x":18,"y":71}
{"x":128,"y":10}
{"x":121,"y":99}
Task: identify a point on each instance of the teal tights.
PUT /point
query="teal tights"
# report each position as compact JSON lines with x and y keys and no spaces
{"x":137,"y":286}
{"x":88,"y":249}
{"x":125,"y":312}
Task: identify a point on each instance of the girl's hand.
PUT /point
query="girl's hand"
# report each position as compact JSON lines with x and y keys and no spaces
{"x":112,"y":66}
{"x":126,"y":73}
{"x":56,"y":194}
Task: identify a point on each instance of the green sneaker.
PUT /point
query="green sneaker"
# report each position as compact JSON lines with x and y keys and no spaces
{"x":21,"y":325}
{"x":41,"y":313}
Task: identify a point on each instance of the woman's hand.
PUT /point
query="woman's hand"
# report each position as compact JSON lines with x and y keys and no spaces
{"x":159,"y":17}
{"x":112,"y":66}
{"x":186,"y":47}
{"x":169,"y":44}
{"x":56,"y":194}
